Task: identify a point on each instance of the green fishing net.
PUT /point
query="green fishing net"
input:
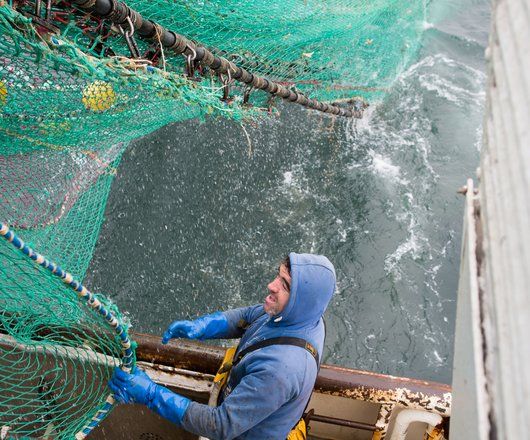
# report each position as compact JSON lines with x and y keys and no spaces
{"x":56,"y":353}
{"x":72,"y":99}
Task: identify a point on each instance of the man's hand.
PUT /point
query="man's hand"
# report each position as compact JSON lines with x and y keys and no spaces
{"x":205,"y":327}
{"x":182,"y":329}
{"x":136,"y":387}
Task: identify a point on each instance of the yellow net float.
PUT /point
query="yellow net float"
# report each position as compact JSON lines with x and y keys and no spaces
{"x":3,"y":93}
{"x":99,"y":96}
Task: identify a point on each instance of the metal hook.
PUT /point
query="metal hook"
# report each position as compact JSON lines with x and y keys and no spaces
{"x":226,"y":85}
{"x":38,"y":5}
{"x":271,"y":103}
{"x":190,"y":65}
{"x":36,"y":17}
{"x":131,"y":27}
{"x":128,"y":35}
{"x":229,"y":79}
{"x":246,"y":94}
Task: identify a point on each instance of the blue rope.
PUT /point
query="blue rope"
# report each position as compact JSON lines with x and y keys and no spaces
{"x":91,"y":301}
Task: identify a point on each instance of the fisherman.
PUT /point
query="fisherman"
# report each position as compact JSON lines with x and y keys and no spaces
{"x":275,"y":365}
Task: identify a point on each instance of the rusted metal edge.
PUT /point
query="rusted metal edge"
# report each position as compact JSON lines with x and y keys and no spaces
{"x":201,"y":361}
{"x":311,"y":416}
{"x":340,"y":381}
{"x":183,"y":353}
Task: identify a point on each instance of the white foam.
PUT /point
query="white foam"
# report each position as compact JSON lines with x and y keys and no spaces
{"x":354,"y":126}
{"x":429,"y":338}
{"x":427,"y":25}
{"x":426,"y":64}
{"x":410,"y":246}
{"x":447,"y":90}
{"x":479,"y":138}
{"x":444,"y":76}
{"x":439,"y":360}
{"x":370,"y":342}
{"x":384,"y":167}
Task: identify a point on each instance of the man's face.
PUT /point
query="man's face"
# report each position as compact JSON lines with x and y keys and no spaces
{"x":279,"y":289}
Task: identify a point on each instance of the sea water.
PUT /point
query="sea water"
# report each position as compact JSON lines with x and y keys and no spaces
{"x":200,"y":214}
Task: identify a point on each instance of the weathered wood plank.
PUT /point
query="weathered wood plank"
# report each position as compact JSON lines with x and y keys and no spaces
{"x":504,"y":251}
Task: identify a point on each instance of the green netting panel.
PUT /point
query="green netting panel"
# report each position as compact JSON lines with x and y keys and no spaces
{"x":56,"y":354}
{"x":56,"y":200}
{"x":53,"y":96}
{"x":328,"y":49}
{"x":78,"y":90}
{"x":65,"y":120}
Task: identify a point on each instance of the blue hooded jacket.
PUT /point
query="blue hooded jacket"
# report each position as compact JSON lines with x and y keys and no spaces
{"x":268,"y":390}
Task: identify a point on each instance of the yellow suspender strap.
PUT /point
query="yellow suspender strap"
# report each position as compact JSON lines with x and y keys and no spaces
{"x":224,"y":371}
{"x":299,"y":432}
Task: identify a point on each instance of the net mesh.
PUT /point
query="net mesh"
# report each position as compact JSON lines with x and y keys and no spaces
{"x":71,"y":100}
{"x":56,"y":355}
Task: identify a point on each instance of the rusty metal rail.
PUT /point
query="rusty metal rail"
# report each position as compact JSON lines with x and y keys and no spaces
{"x":339,"y":381}
{"x":311,"y":416}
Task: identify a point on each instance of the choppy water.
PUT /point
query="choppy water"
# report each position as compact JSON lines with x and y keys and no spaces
{"x":198,"y":218}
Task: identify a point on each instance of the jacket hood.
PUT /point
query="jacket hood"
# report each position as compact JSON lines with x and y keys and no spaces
{"x":312,"y":286}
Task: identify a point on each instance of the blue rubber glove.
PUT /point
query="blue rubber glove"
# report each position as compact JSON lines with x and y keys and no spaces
{"x":138,"y":387}
{"x":205,"y":327}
